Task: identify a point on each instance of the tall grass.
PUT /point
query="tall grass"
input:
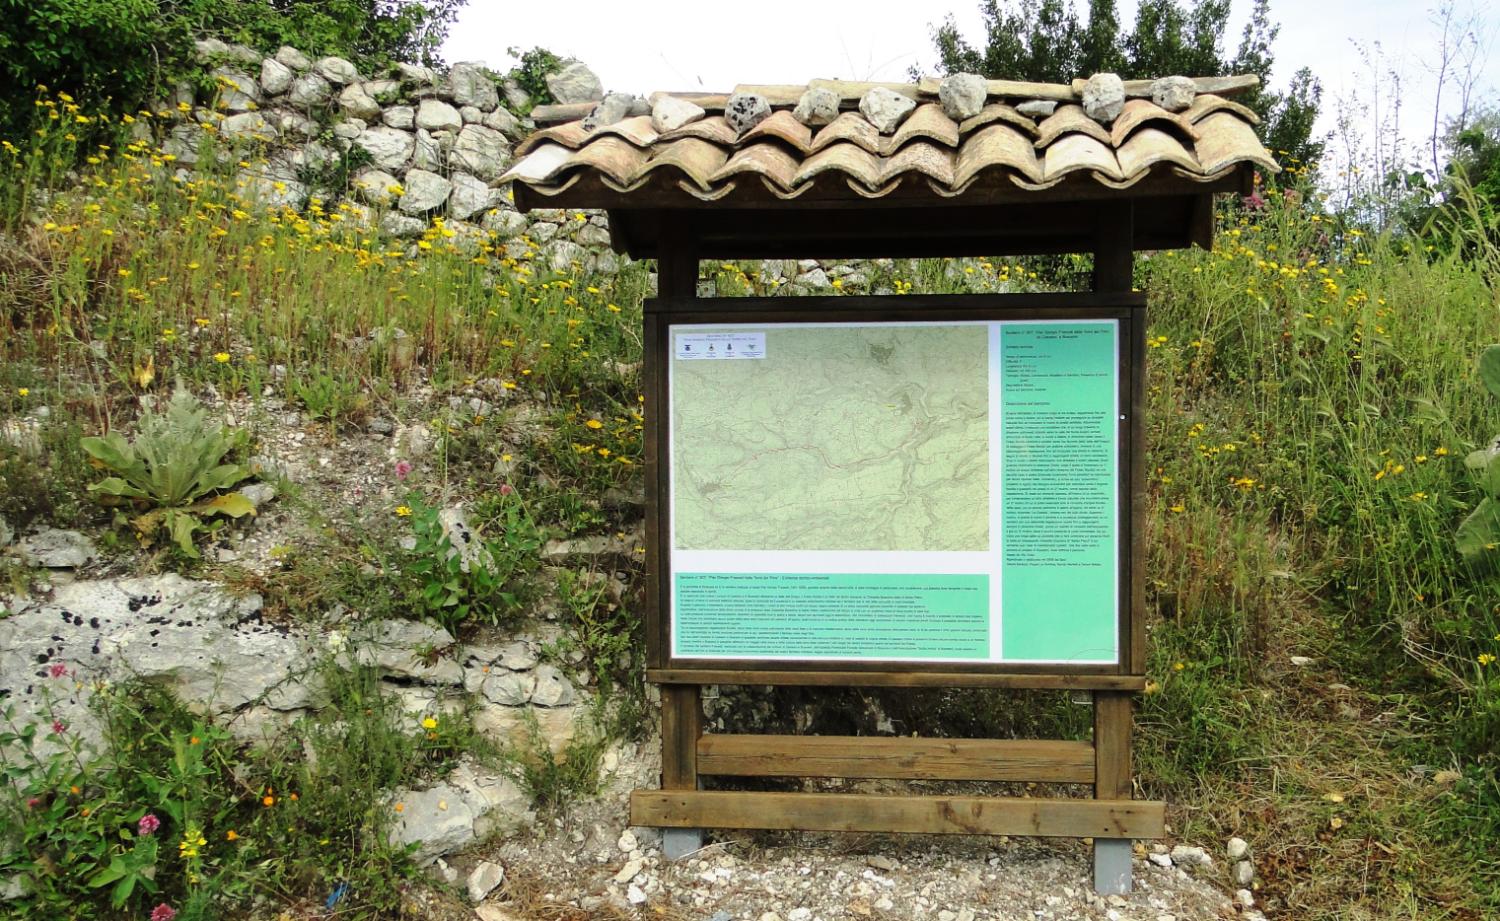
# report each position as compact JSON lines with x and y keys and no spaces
{"x":1311,"y":397}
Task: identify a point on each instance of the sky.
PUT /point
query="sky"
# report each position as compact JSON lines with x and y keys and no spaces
{"x":639,"y":46}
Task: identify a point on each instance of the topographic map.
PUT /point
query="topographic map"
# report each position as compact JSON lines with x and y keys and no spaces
{"x":840,"y":438}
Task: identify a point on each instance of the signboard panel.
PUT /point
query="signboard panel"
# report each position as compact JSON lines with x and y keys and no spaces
{"x":944,"y":492}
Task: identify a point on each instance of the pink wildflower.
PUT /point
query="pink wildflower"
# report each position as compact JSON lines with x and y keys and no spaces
{"x":1254,"y":202}
{"x":59,"y":727}
{"x":506,"y":489}
{"x":403,"y":468}
{"x":57,"y":670}
{"x":148,"y":825}
{"x":163,"y":912}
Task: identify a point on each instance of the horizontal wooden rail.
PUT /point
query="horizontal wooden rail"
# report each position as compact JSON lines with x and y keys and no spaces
{"x":931,"y":815}
{"x":904,"y":758}
{"x":1080,"y":682}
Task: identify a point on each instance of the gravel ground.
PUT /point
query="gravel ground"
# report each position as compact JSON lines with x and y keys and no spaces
{"x":586,"y":864}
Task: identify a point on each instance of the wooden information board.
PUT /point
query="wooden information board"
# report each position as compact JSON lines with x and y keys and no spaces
{"x":918,"y":491}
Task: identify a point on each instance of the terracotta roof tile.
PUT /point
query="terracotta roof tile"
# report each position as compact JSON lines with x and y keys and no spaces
{"x":706,"y":160}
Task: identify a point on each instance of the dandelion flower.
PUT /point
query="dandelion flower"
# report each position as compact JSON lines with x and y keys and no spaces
{"x":429,"y":723}
{"x":403,"y":511}
{"x":1485,"y":658}
{"x":594,"y":424}
{"x":221,"y":357}
{"x":23,"y":392}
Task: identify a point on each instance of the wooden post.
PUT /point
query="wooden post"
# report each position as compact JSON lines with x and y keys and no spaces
{"x":681,"y":709}
{"x":1114,"y":259}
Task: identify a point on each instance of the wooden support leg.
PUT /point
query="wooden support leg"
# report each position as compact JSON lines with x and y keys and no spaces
{"x":681,"y":725}
{"x":1112,"y":719}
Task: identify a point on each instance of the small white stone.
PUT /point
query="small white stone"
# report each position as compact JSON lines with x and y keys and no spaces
{"x":1301,"y":661}
{"x":1173,"y":93}
{"x":630,"y":871}
{"x":817,"y":106}
{"x":669,"y":113}
{"x":1244,"y":873}
{"x":744,"y":111}
{"x":1244,"y":899}
{"x":1237,"y":849}
{"x":627,"y":842}
{"x":1104,"y":97}
{"x":484,"y":879}
{"x":885,"y":109}
{"x":963,"y":95}
{"x":1161,"y":860}
{"x":1184,"y":855}
{"x":635,"y":895}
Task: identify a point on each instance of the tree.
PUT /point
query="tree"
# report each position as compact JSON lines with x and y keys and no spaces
{"x":114,"y":55}
{"x":1045,"y":40}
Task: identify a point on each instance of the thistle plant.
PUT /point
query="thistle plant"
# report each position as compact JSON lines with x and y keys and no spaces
{"x":1479,"y":534}
{"x":173,"y":474}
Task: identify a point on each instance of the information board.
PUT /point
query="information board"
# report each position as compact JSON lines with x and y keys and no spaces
{"x":923,"y":492}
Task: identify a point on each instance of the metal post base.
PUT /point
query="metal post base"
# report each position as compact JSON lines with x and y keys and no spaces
{"x":677,"y":843}
{"x":1112,"y":870}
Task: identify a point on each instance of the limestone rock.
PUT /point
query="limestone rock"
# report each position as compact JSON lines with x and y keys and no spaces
{"x":485,"y":878}
{"x":1244,"y":874}
{"x":204,"y":643}
{"x":429,"y":153}
{"x":506,"y":224}
{"x":416,"y":74}
{"x":1173,"y":93}
{"x":1037,"y":108}
{"x":470,"y":85}
{"x":288,"y":56}
{"x":463,"y":541}
{"x":52,"y":548}
{"x":481,"y":151}
{"x":388,"y":148}
{"x":424,"y":191}
{"x":1184,"y":855}
{"x":408,"y":649}
{"x":1103,"y":97}
{"x":564,"y":256}
{"x":507,"y":689}
{"x":507,"y":124}
{"x":471,"y":115}
{"x":515,"y":97}
{"x":817,"y":107}
{"x":573,"y":84}
{"x":436,"y":115}
{"x":471,"y":196}
{"x":613,"y":108}
{"x":1237,"y":849}
{"x":552,"y":689}
{"x":205,"y":49}
{"x":885,"y":109}
{"x":396,"y":224}
{"x":275,"y":77}
{"x":744,"y":111}
{"x":244,"y":125}
{"x":337,"y":70}
{"x":356,"y":101}
{"x":669,"y":113}
{"x":309,"y":90}
{"x":963,"y":95}
{"x":238,"y":91}
{"x":403,"y":117}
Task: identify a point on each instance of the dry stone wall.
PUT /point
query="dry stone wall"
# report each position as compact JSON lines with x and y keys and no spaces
{"x":401,"y":148}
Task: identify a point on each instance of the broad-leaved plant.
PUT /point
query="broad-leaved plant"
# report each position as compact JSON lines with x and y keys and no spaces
{"x":173,"y":472}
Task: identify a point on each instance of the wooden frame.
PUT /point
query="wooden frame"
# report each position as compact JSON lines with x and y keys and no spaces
{"x":1108,"y":228}
{"x":662,"y":314}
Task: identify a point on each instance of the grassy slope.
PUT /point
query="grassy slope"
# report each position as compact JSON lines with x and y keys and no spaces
{"x":1311,"y":398}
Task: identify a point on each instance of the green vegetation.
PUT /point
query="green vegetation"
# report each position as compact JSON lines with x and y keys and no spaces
{"x":173,"y":469}
{"x":181,"y":814}
{"x":1313,"y":395}
{"x":115,"y":55}
{"x":1045,"y":40}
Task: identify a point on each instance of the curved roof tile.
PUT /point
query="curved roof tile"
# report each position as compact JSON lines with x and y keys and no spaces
{"x":705,"y":160}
